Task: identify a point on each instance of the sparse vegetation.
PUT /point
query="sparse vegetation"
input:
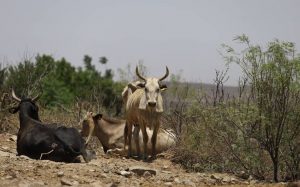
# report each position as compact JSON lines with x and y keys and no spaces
{"x":254,"y":131}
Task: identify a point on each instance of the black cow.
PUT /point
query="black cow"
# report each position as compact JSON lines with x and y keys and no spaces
{"x":38,"y":141}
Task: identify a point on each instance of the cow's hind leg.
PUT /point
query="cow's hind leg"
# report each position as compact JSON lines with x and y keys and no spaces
{"x":125,"y":135}
{"x":136,"y":133}
{"x":129,"y":136}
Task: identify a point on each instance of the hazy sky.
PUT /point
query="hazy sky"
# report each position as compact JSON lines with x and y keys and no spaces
{"x":182,"y":34}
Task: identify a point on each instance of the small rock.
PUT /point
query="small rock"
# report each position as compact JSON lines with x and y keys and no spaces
{"x":226,"y":179}
{"x":13,"y":138}
{"x":243,"y":175}
{"x":96,"y":184}
{"x":251,"y":182}
{"x":125,"y":173}
{"x":201,"y":174}
{"x":213,"y":176}
{"x":66,"y":182}
{"x":113,"y":184}
{"x":167,"y":172}
{"x":24,"y":157}
{"x":5,"y":154}
{"x":188,"y":182}
{"x":5,"y":148}
{"x":92,"y":170}
{"x":168,"y":183}
{"x":165,"y":167}
{"x":103,"y":175}
{"x":233,"y":180}
{"x":169,"y":179}
{"x":105,"y":170}
{"x":293,"y":184}
{"x":75,"y":183}
{"x":9,"y":177}
{"x":140,"y":170}
{"x":147,"y":174}
{"x":60,"y":174}
{"x":177,"y":180}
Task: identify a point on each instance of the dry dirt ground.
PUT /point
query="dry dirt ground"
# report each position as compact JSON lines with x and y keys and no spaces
{"x":105,"y":170}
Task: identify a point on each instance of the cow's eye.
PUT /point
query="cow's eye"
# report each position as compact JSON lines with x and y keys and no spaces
{"x":146,"y":89}
{"x":157,"y":90}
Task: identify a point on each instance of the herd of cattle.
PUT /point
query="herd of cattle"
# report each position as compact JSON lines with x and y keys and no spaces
{"x":143,"y":107}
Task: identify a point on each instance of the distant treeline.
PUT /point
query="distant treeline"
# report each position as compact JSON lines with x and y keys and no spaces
{"x":60,"y":82}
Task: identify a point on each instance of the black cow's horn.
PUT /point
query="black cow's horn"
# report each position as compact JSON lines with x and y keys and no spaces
{"x":36,"y":98}
{"x":166,"y":75}
{"x":14,"y":96}
{"x":138,"y":74}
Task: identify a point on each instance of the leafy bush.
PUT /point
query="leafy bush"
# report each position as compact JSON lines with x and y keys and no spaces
{"x":256,"y":128}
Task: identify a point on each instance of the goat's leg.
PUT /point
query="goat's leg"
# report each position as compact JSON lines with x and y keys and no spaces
{"x":154,"y":139}
{"x":136,"y":136}
{"x":145,"y":141}
{"x":129,"y":139}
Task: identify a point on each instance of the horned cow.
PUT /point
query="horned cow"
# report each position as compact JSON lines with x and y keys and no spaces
{"x":38,"y":141}
{"x":144,"y":108}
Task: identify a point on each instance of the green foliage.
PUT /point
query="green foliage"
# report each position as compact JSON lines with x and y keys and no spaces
{"x":61,"y":83}
{"x":256,"y":131}
{"x":274,"y":82}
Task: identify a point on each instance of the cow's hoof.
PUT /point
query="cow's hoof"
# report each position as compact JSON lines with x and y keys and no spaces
{"x":153,"y":157}
{"x":145,"y":157}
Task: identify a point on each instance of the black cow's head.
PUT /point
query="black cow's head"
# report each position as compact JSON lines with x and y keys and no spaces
{"x":26,"y":105}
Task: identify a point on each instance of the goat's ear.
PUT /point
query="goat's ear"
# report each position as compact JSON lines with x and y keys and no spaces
{"x":13,"y":110}
{"x":97,"y":116}
{"x":163,"y":87}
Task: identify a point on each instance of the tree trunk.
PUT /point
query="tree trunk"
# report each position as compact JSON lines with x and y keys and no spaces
{"x":275,"y":168}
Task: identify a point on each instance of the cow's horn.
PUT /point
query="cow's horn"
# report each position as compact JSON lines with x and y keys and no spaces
{"x":14,"y":96}
{"x":36,"y":98}
{"x":138,"y":74}
{"x":166,"y":75}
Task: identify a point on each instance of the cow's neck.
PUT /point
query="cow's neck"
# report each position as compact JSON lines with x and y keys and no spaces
{"x":26,"y":115}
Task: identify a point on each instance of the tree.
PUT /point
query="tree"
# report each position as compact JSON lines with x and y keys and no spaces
{"x":103,"y":60}
{"x":273,"y":76}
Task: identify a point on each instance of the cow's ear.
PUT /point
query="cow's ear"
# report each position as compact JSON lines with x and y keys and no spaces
{"x":141,"y":85}
{"x":163,"y":87}
{"x":97,"y":116}
{"x":13,"y":110}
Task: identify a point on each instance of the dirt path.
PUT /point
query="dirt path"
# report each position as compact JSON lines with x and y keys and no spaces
{"x":105,"y":170}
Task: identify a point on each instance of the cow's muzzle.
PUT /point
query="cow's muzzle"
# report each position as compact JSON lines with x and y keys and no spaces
{"x":152,"y":104}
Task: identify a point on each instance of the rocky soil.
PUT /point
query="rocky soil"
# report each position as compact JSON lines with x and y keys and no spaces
{"x":105,"y":170}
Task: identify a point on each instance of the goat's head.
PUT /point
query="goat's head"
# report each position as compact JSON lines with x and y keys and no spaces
{"x":153,"y":88}
{"x":88,"y":125}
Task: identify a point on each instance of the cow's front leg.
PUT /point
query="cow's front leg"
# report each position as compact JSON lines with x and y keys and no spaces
{"x":145,"y":141}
